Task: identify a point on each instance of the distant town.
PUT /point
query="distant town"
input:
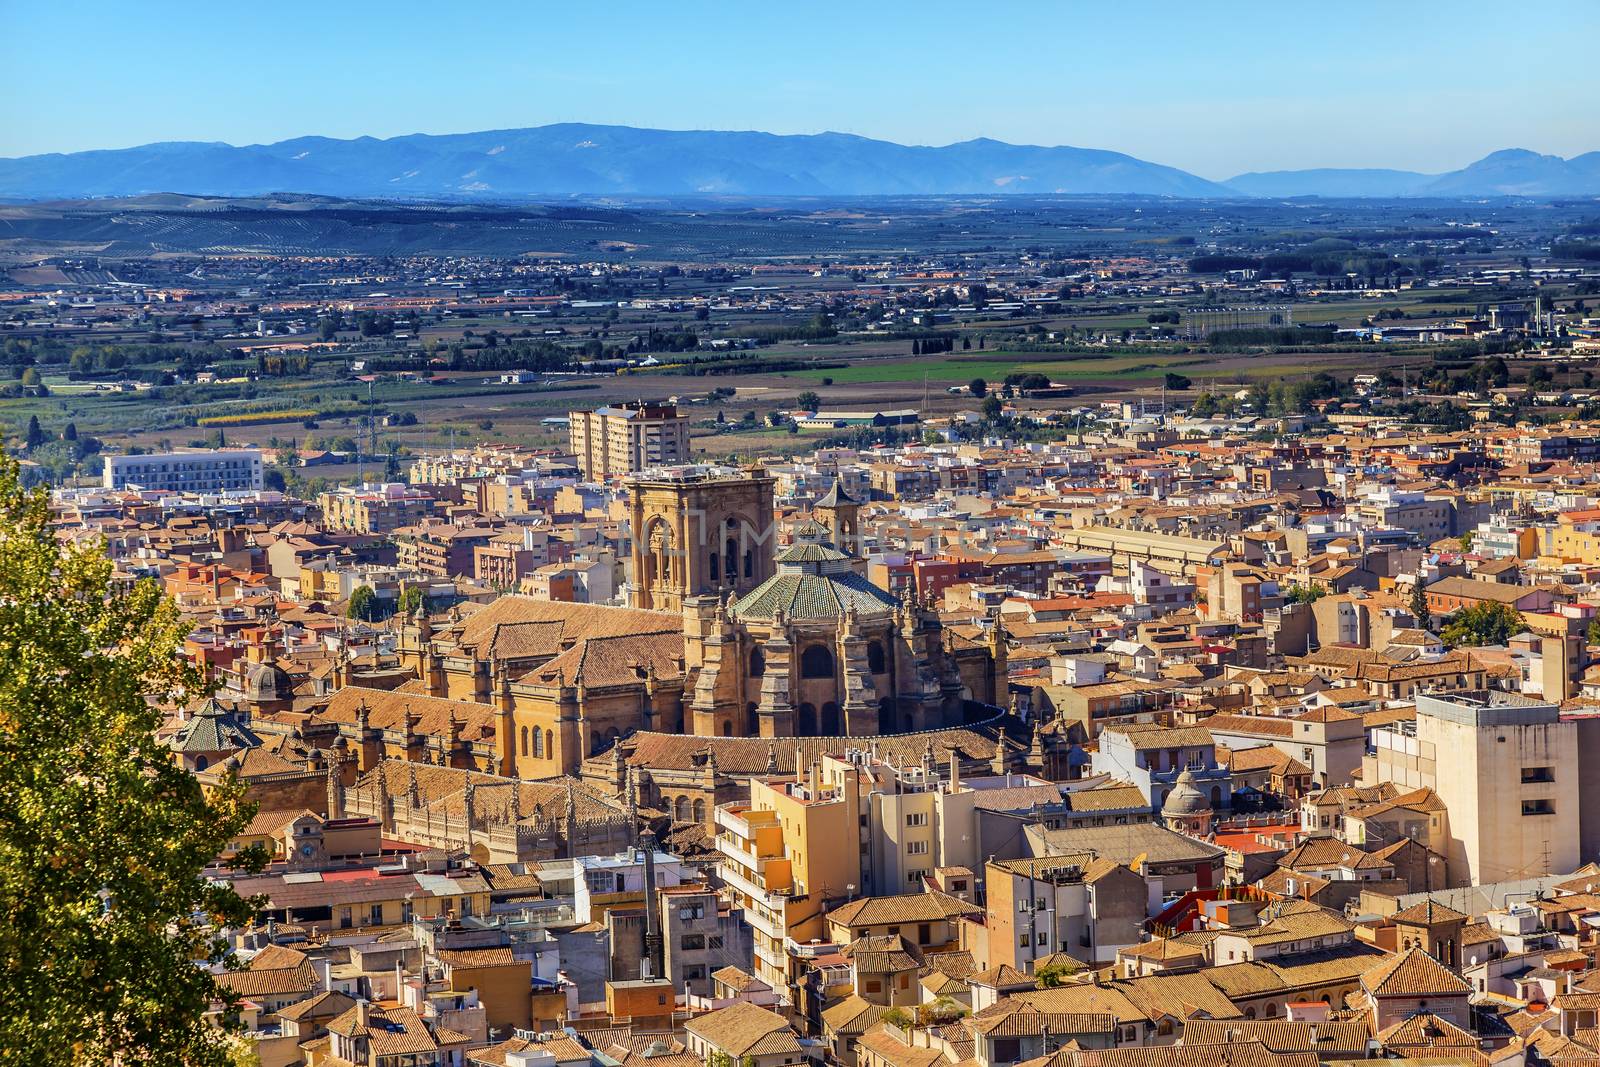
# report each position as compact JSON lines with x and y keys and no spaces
{"x":1169,"y":636}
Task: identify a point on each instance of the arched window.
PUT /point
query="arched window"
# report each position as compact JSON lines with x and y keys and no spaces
{"x":700,"y":810}
{"x":200,"y":763}
{"x":550,"y":744}
{"x":730,"y":554}
{"x":1216,"y":797}
{"x":752,"y":720}
{"x":683,"y":809}
{"x":749,"y":563}
{"x":714,"y":565}
{"x":1270,"y":1012}
{"x":538,"y":743}
{"x":524,"y":740}
{"x":806,"y":721}
{"x":758,"y":663}
{"x":727,"y":729}
{"x":816,"y":662}
{"x":876,"y":660}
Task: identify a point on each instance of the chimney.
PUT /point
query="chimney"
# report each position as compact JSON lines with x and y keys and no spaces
{"x":652,"y":964}
{"x":363,"y":1014}
{"x":955,"y":769}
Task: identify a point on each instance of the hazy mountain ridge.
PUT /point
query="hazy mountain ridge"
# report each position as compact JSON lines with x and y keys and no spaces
{"x":575,"y":159}
{"x":1508,"y":172}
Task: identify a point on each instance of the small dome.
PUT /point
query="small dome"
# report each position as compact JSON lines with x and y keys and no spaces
{"x":1185,"y":798}
{"x":268,"y":683}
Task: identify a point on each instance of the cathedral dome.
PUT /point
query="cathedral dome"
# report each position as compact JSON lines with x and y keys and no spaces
{"x":814,"y":581}
{"x":268,"y":683}
{"x":1185,"y":798}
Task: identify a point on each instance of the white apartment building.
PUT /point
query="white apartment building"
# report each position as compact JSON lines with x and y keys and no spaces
{"x":196,"y":472}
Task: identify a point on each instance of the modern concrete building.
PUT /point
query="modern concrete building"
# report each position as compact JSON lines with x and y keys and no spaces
{"x":1506,"y":768}
{"x":613,"y":441}
{"x":208,"y":471}
{"x":789,"y":855}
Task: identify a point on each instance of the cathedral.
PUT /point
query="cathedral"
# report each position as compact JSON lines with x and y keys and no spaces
{"x":726,"y":634}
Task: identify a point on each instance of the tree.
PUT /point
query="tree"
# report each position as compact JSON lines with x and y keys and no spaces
{"x":104,"y":839}
{"x":35,"y":435}
{"x":1419,"y":605}
{"x":1491,"y":623}
{"x":978,"y":387}
{"x":1304,"y":594}
{"x":70,"y":432}
{"x":363,"y":604}
{"x":1176,"y":382}
{"x":1593,"y":633}
{"x":994,"y":408}
{"x":808,"y":401}
{"x":1055,"y":973}
{"x":410,"y":600}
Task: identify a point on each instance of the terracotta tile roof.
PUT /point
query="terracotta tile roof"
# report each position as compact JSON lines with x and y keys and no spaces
{"x":624,"y":659}
{"x":744,"y":1029}
{"x":389,"y":1031}
{"x":1424,"y":1031}
{"x":1328,"y":1038}
{"x":852,"y":1015}
{"x":1234,"y":1054}
{"x":387,"y":711}
{"x":903,"y":908}
{"x":274,"y":971}
{"x":1426,"y":913}
{"x":1412,"y":973}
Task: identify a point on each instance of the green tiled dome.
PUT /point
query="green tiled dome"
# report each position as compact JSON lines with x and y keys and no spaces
{"x":813,"y":596}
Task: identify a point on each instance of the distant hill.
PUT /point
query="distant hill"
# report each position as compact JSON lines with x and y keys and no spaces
{"x":578,"y":159}
{"x":1330,"y":181}
{"x":1509,"y":172}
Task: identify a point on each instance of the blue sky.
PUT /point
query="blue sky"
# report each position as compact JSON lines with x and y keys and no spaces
{"x":1214,"y":88}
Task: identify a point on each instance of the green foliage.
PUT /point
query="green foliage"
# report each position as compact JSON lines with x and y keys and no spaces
{"x":994,"y":408}
{"x":410,"y":601}
{"x":808,"y":401}
{"x":1593,"y":633}
{"x":1055,"y":974}
{"x":1176,"y":382}
{"x":899,"y":1017}
{"x":363,"y":604}
{"x":1304,"y":594}
{"x":1419,"y":605}
{"x":978,"y":387}
{"x":103,"y":837}
{"x":1483,"y":624}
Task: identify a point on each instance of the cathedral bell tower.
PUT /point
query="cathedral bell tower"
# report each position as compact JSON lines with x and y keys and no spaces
{"x":698,"y":531}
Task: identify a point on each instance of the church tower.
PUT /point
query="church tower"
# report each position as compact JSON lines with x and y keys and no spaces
{"x":838,"y":513}
{"x":698,"y":531}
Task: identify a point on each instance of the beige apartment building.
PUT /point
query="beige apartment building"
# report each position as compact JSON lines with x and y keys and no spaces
{"x":1506,"y":768}
{"x":789,"y":855}
{"x":614,"y":441}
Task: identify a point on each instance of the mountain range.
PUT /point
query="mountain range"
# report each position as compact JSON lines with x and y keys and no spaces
{"x":578,"y":159}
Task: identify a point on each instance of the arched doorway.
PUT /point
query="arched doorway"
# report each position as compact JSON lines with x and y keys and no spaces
{"x":831,"y":726}
{"x":1216,"y":797}
{"x":877,"y":662}
{"x":886,"y":715}
{"x":758,"y":663}
{"x":805,"y":723}
{"x":752,"y":720}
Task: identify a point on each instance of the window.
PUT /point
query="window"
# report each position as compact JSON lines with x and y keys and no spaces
{"x":924,"y":933}
{"x":916,"y":848}
{"x":692,"y":942}
{"x":692,"y":911}
{"x":917,"y":818}
{"x":1538,"y":774}
{"x":714,"y":941}
{"x":816,"y":662}
{"x":1539,"y":807}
